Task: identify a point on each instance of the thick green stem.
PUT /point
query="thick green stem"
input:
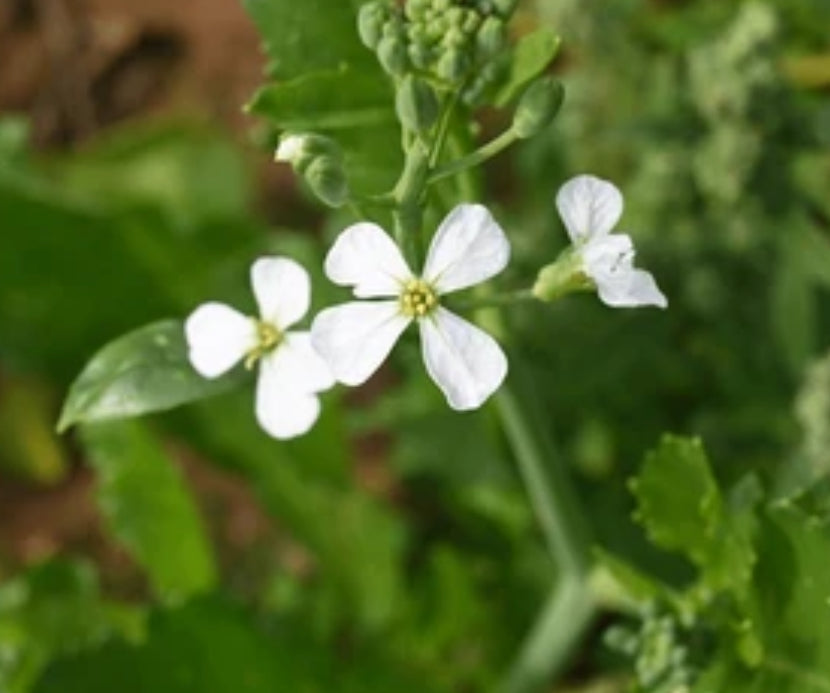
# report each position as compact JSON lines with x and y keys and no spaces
{"x":408,"y":214}
{"x":569,"y":609}
{"x":504,"y":298}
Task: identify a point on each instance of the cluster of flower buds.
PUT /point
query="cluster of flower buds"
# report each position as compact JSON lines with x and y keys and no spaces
{"x":319,"y":160}
{"x":447,"y":42}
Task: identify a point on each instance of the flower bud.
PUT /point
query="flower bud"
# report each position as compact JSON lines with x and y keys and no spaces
{"x":416,"y":104}
{"x":538,"y":107}
{"x":300,"y":150}
{"x":420,"y":56}
{"x":327,"y":180}
{"x":415,"y":9}
{"x":490,"y":37}
{"x":392,"y":55}
{"x":504,"y":7}
{"x":370,"y":21}
{"x":452,"y":65}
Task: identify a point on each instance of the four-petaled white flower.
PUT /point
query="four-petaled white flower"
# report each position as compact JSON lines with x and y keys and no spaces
{"x":590,"y":208}
{"x":291,"y":373}
{"x":354,"y":338}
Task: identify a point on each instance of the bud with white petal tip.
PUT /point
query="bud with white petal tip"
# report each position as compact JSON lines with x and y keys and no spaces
{"x":300,"y":150}
{"x":538,"y":107}
{"x":327,"y":180}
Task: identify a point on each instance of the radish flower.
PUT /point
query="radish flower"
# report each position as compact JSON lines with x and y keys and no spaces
{"x":290,"y":372}
{"x":354,"y":338}
{"x":590,"y":209}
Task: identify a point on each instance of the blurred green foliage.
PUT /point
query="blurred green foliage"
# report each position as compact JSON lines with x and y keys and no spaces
{"x":713,"y":119}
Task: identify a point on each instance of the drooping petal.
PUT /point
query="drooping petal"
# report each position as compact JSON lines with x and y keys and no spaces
{"x":354,"y":338}
{"x":464,"y":361}
{"x":282,"y":290}
{"x":217,"y":337}
{"x":283,"y":411}
{"x":298,"y":365}
{"x":589,"y":207}
{"x":366,"y":258}
{"x":468,"y":248}
{"x":609,"y":261}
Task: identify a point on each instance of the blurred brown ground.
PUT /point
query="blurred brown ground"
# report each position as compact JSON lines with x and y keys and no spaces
{"x":76,"y":66}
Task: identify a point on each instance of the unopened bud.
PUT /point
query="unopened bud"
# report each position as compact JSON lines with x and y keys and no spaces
{"x":370,"y":22}
{"x":538,"y":107}
{"x":504,"y":7}
{"x":327,"y":180}
{"x":392,"y":55}
{"x":420,"y":56}
{"x":416,"y":104}
{"x":300,"y":150}
{"x":490,"y":37}
{"x":415,"y":9}
{"x":452,"y":65}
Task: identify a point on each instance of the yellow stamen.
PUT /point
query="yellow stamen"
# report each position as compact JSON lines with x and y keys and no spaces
{"x":417,"y":299}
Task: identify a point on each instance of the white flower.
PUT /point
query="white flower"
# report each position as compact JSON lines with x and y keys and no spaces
{"x":291,"y":373}
{"x":354,"y":338}
{"x":590,"y":208}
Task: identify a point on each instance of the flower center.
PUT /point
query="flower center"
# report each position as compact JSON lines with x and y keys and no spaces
{"x":418,"y":299}
{"x":268,"y":338}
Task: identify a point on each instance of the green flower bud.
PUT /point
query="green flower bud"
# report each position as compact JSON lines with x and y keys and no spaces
{"x":504,"y":7}
{"x":490,"y":37}
{"x":455,"y":17}
{"x":392,"y":56}
{"x":420,"y":56}
{"x":327,"y":180}
{"x":471,"y":22}
{"x":416,"y":9}
{"x":453,"y":65}
{"x":416,"y":104}
{"x":538,"y":107}
{"x":562,"y":277}
{"x":454,"y":38}
{"x":300,"y":150}
{"x":441,"y":5}
{"x":370,"y":22}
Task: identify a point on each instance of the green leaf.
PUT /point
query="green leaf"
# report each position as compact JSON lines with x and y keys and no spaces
{"x":149,"y":509}
{"x":326,"y":100}
{"x":55,"y":609}
{"x":143,"y":371}
{"x":533,"y":53}
{"x":313,"y":35}
{"x":681,"y":508}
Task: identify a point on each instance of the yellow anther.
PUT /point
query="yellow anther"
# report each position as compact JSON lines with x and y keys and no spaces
{"x":268,"y":338}
{"x":417,"y":299}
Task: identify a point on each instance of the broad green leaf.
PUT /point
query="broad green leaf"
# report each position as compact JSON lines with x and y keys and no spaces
{"x":148,"y":508}
{"x":313,"y":35}
{"x":326,"y":100}
{"x":533,"y":53}
{"x":681,"y":508}
{"x":55,"y":610}
{"x":143,"y":371}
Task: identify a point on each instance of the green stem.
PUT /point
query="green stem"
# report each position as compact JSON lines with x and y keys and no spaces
{"x":476,"y":158}
{"x":569,"y":608}
{"x":491,"y":301}
{"x":407,"y":195}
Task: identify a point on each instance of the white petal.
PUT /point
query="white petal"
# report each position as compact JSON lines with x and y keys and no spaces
{"x":282,"y":290}
{"x":281,"y":410}
{"x":299,"y":365}
{"x":465,"y":362}
{"x":468,"y":248}
{"x":354,"y":338}
{"x":609,"y":261}
{"x":365,"y":257}
{"x":589,"y":207}
{"x":217,"y":337}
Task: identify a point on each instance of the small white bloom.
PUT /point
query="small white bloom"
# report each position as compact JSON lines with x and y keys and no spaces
{"x":291,"y":373}
{"x":289,"y":148}
{"x":590,"y":208}
{"x":354,"y":338}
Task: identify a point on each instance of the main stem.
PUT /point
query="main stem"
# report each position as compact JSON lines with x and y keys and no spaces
{"x":408,"y":213}
{"x":569,"y":609}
